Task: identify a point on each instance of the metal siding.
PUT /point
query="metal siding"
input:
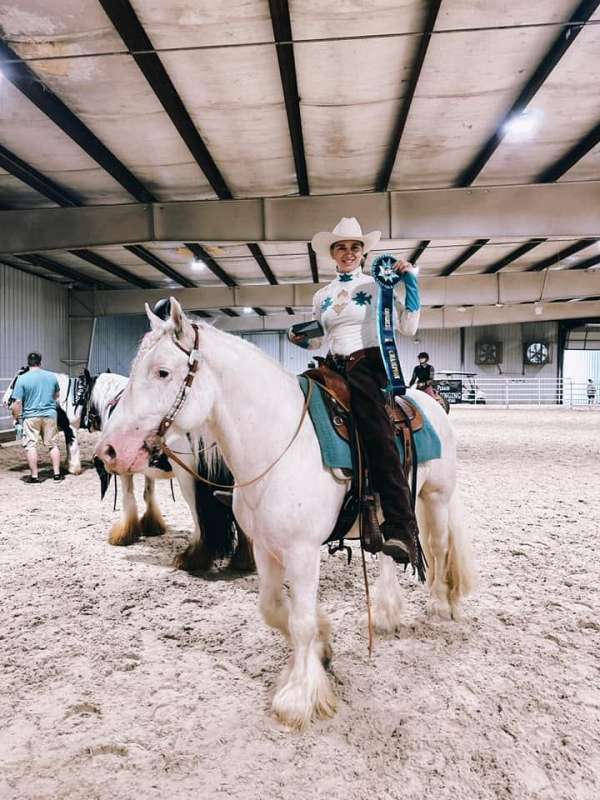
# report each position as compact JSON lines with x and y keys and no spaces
{"x":443,"y":347}
{"x":116,"y":342}
{"x":581,"y":365}
{"x":513,"y":337}
{"x":267,"y":342}
{"x":33,"y":316}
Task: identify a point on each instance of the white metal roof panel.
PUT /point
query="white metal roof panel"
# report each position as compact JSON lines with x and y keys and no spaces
{"x":31,"y":136}
{"x":235,"y":99}
{"x":468,"y":81}
{"x":561,"y":114}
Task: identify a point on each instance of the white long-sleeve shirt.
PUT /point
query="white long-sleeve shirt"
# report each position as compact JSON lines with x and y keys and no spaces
{"x":347,"y":310}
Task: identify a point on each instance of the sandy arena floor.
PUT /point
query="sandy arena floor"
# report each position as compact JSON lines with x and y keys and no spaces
{"x":123,"y":679}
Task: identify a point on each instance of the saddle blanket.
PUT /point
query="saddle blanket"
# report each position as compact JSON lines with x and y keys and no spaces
{"x":335,"y":451}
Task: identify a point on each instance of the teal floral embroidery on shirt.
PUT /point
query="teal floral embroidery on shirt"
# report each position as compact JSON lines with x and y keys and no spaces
{"x":327,"y":303}
{"x":362,"y":299}
{"x":345,"y":277}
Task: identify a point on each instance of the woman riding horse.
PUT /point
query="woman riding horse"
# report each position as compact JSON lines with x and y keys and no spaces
{"x":347,"y":311}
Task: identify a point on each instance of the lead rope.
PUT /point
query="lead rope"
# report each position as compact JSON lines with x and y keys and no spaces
{"x":170,"y":453}
{"x":362,"y":549}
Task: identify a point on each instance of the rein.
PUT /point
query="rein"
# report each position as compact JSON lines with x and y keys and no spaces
{"x":166,"y":422}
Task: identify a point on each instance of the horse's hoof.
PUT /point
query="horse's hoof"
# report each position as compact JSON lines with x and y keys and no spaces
{"x":75,"y":470}
{"x":122,"y":535}
{"x":295,"y":705}
{"x":438,"y":608}
{"x":193,"y":559}
{"x":152,"y":525}
{"x":242,"y":561}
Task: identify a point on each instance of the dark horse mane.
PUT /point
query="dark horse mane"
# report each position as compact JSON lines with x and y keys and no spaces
{"x":216,"y":519}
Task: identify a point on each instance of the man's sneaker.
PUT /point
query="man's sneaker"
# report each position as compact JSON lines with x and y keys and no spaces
{"x":31,"y":479}
{"x":59,"y":477}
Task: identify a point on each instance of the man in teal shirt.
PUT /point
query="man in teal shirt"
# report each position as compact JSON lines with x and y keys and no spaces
{"x":35,"y":395}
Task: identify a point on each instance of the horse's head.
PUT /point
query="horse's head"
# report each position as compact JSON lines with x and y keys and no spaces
{"x":169,"y":366}
{"x":7,"y":398}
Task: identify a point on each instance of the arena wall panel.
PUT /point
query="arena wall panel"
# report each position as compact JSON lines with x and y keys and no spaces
{"x":33,"y":316}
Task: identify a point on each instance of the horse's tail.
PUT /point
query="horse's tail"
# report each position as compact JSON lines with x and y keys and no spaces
{"x":460,"y":569}
{"x":216,"y":519}
{"x":63,"y":424}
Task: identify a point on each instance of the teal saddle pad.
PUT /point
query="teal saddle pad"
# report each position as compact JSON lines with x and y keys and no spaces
{"x":335,"y":451}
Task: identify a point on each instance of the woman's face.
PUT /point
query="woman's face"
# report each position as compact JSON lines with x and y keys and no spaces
{"x":347,"y":255}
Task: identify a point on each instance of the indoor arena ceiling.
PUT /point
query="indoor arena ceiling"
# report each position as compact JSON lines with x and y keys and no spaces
{"x":156,"y":102}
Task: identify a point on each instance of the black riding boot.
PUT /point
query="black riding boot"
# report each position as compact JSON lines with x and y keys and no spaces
{"x":366,"y":376}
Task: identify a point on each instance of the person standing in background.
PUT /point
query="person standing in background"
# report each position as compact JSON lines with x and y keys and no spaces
{"x":591,"y":391}
{"x":35,"y":395}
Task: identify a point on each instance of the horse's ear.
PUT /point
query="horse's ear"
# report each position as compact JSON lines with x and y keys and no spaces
{"x":155,"y":322}
{"x":177,"y":317}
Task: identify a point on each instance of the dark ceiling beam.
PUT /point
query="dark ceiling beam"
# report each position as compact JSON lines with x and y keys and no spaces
{"x":27,"y":271}
{"x":290,"y":310}
{"x":160,"y":265}
{"x":282,"y":31}
{"x":229,"y":312}
{"x":571,"y":157}
{"x":114,"y":269}
{"x":201,"y":254}
{"x":518,"y":252}
{"x":26,"y":81}
{"x":555,"y":259}
{"x":563,"y":41}
{"x":260,"y":311}
{"x":51,"y":265}
{"x":262,"y":263}
{"x":383,"y":179}
{"x":35,"y":180}
{"x":587,"y":263}
{"x":462,"y":257}
{"x":418,"y":251}
{"x":314,"y":267}
{"x":129,"y":28}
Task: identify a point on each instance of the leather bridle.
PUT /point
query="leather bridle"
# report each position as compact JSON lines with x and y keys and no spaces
{"x":157,"y":443}
{"x":193,"y":361}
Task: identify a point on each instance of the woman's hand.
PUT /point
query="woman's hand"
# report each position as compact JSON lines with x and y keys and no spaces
{"x":402,"y":266}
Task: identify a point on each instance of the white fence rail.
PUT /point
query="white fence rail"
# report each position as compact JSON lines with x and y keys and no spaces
{"x":513,"y":391}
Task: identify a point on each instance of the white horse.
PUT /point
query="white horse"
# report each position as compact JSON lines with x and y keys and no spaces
{"x":251,"y":407}
{"x":214,"y":531}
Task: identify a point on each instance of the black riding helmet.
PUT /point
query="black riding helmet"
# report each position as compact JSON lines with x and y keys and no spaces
{"x":423,"y":355}
{"x":162,"y":309}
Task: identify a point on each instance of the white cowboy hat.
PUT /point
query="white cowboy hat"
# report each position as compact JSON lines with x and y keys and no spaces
{"x":348,"y":228}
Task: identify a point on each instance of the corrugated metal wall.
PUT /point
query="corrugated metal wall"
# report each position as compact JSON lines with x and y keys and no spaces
{"x":582,"y":364}
{"x":116,"y":340}
{"x":115,"y":343}
{"x":513,"y":337}
{"x":33,"y":316}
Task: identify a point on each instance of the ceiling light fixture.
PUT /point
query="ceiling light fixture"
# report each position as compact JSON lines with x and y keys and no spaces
{"x":247,"y":310}
{"x":197,"y":264}
{"x":538,"y":308}
{"x":462,"y":309}
{"x":522,"y":127}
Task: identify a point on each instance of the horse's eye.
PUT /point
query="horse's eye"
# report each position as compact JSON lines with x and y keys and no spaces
{"x":163,"y":373}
